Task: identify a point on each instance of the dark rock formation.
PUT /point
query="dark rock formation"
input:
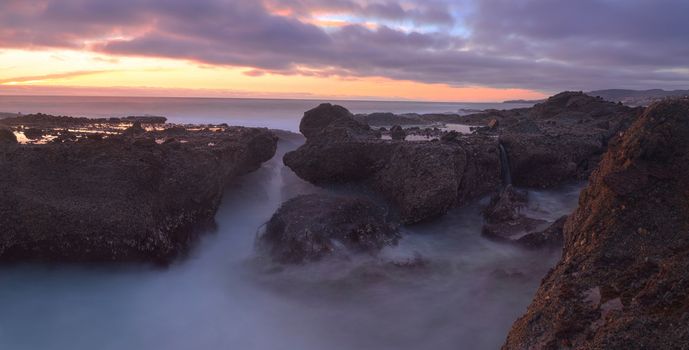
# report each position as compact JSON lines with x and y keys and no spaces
{"x":389,"y":119}
{"x":332,"y":119}
{"x":122,"y":198}
{"x":33,"y":133}
{"x":421,"y":179}
{"x":558,"y":140}
{"x":397,"y":133}
{"x":310,"y":227}
{"x":623,"y":279}
{"x":551,"y":237}
{"x":135,"y":129}
{"x":505,"y":205}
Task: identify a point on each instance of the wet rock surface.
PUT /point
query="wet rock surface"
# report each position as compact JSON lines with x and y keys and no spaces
{"x":623,"y":277}
{"x":117,"y":197}
{"x":420,"y":179}
{"x":557,"y":141}
{"x":504,"y":220}
{"x":551,"y":237}
{"x":311,"y":227}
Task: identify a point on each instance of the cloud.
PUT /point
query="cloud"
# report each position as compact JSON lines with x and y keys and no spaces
{"x":33,"y":78}
{"x":535,"y":44}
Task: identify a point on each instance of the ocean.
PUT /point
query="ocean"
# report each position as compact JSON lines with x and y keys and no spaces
{"x":272,"y":113}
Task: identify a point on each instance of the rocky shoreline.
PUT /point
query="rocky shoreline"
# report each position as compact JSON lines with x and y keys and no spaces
{"x":622,"y":280}
{"x":139,"y":190}
{"x":109,"y":190}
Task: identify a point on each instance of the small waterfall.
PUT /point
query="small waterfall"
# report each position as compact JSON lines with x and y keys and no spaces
{"x":505,"y":166}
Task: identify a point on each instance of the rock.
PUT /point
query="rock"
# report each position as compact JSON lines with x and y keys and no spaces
{"x":543,"y":161}
{"x":328,"y":118}
{"x":135,"y":129}
{"x":540,"y":153}
{"x":397,"y":133}
{"x":493,"y":124}
{"x":119,"y":199}
{"x":421,"y":179}
{"x":558,"y":140}
{"x":503,"y":218}
{"x":631,"y":243}
{"x":310,"y":227}
{"x":550,"y":237}
{"x":451,"y":136}
{"x":65,"y":136}
{"x":389,"y":119}
{"x":33,"y":133}
{"x":7,"y":136}
{"x":505,"y":205}
{"x":512,"y":230}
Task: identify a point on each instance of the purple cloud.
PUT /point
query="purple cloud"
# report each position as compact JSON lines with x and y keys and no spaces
{"x":537,"y":44}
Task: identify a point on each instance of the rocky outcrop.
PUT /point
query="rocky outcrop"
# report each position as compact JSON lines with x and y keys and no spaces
{"x":119,"y":198}
{"x":623,"y":279}
{"x":397,"y":133}
{"x":551,"y":237}
{"x":504,"y":220}
{"x":558,"y":140}
{"x":310,"y":227}
{"x":334,"y":120}
{"x":421,"y":179}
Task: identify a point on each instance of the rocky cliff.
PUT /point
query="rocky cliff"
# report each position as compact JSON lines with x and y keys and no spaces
{"x":623,"y":279}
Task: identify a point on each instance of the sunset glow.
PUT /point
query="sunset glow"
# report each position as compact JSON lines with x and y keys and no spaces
{"x":436,"y":51}
{"x":62,"y":72}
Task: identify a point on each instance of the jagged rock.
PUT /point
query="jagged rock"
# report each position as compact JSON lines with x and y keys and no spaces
{"x":550,"y":237}
{"x":310,"y":227}
{"x":505,"y":205}
{"x":558,"y":140}
{"x":120,"y":198}
{"x":545,"y":161}
{"x":332,"y":119}
{"x":397,"y":133}
{"x":421,"y":179}
{"x":623,"y":279}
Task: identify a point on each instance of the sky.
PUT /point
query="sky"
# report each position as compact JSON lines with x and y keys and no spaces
{"x":434,"y":50}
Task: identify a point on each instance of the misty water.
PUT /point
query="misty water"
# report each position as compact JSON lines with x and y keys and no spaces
{"x":465,"y":294}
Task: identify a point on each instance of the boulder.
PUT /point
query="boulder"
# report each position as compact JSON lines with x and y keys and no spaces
{"x":119,"y":198}
{"x":33,"y":133}
{"x":505,"y":205}
{"x":331,"y":118}
{"x":503,"y":218}
{"x":551,"y":237}
{"x":624,"y":274}
{"x":397,"y":133}
{"x":421,"y":179}
{"x":311,"y":227}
